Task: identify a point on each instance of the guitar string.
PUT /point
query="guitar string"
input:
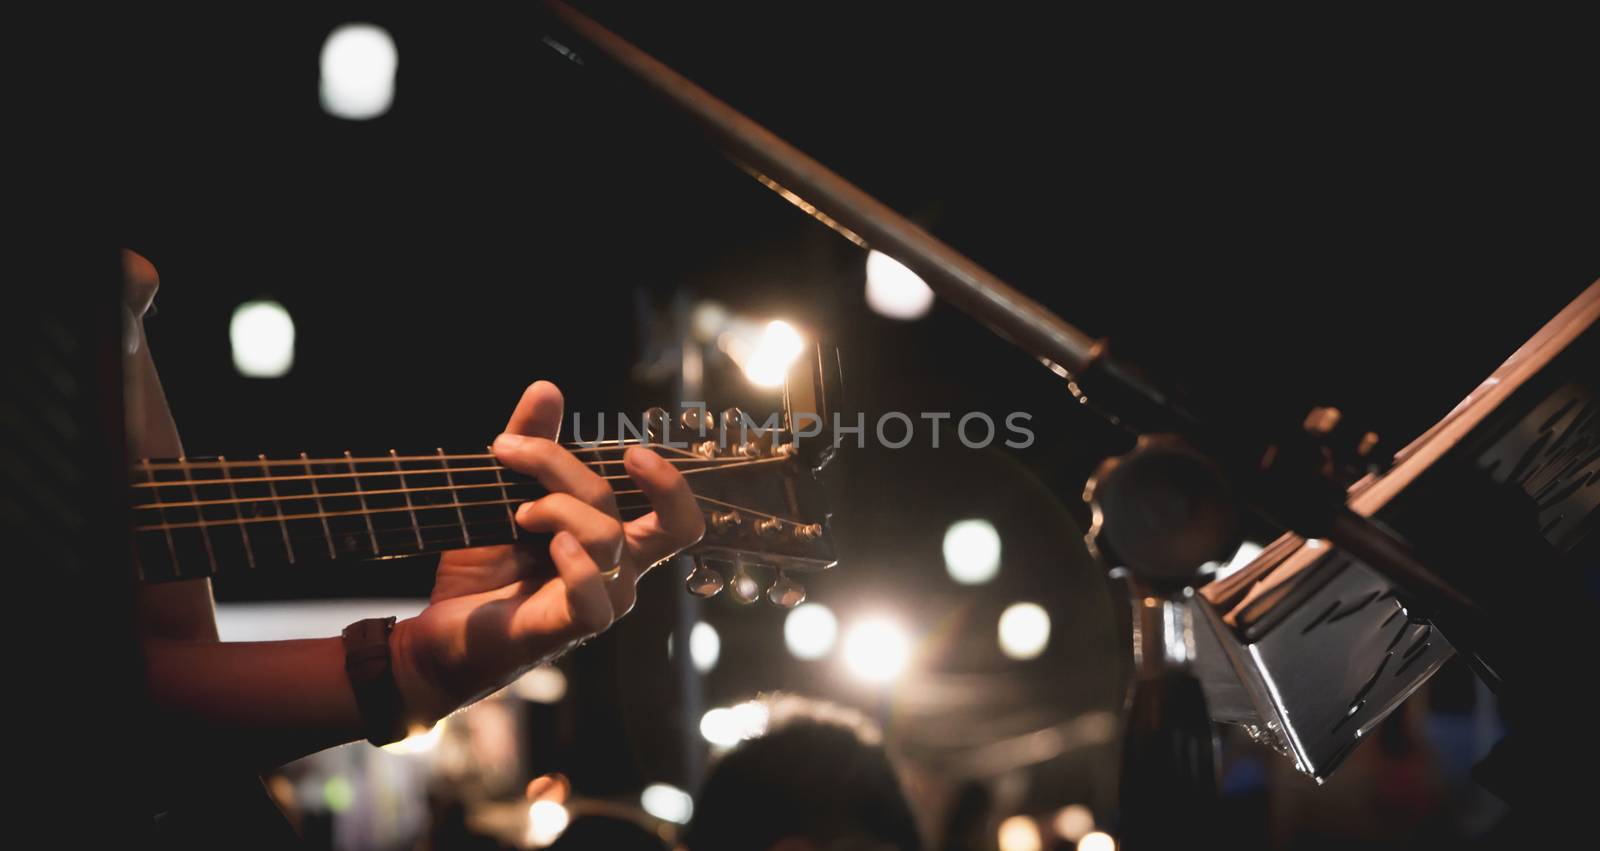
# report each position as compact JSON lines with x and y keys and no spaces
{"x":475,"y":528}
{"x":608,"y":446}
{"x":227,"y":523}
{"x":422,"y":471}
{"x":198,"y":504}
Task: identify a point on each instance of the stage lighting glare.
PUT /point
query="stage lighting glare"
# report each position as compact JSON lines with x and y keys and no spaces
{"x":876,"y":650}
{"x":810,"y":631}
{"x":1074,"y":822}
{"x":780,"y":345}
{"x":972,"y":551}
{"x":262,"y":336}
{"x":704,"y":646}
{"x":668,"y":803}
{"x":420,"y":740}
{"x":725,"y":727}
{"x":895,"y":291}
{"x":544,"y":684}
{"x":1024,"y":630}
{"x":1097,"y":841}
{"x":1019,"y":833}
{"x":358,"y":66}
{"x":546,"y":821}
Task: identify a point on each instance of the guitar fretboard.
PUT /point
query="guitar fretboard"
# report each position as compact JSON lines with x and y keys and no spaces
{"x":195,"y":517}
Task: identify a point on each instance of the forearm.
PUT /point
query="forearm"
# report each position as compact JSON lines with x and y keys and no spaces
{"x":252,"y":704}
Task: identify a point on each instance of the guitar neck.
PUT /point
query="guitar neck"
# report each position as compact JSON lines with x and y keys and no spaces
{"x":196,"y":517}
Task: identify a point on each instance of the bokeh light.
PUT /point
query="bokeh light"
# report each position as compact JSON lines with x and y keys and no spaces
{"x":1024,"y":630}
{"x":972,"y":551}
{"x":358,"y":69}
{"x":876,"y":649}
{"x":810,"y":631}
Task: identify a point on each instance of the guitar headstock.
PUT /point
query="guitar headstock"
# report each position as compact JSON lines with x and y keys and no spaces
{"x":757,"y":482}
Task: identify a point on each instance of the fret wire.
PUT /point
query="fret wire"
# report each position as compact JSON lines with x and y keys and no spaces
{"x":511,"y":518}
{"x":450,"y":482}
{"x":367,"y":515}
{"x":730,"y":464}
{"x":322,"y":511}
{"x":272,"y":488}
{"x":172,"y":548}
{"x":409,"y":507}
{"x":238,"y":513}
{"x":205,"y":536}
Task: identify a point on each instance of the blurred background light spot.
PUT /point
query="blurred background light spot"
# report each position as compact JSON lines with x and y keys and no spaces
{"x":810,"y":631}
{"x":704,"y":646}
{"x":420,"y":740}
{"x":895,"y":291}
{"x":876,"y":649}
{"x":727,"y":726}
{"x":1074,"y":822}
{"x":262,"y":336}
{"x":1097,"y":841}
{"x":544,"y":684}
{"x":338,"y":793}
{"x":546,"y":821}
{"x":780,"y":344}
{"x":972,"y":551}
{"x":1024,"y":630}
{"x":1019,"y":833}
{"x":358,"y":69}
{"x":668,"y":803}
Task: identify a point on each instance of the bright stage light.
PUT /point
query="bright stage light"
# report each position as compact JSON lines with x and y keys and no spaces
{"x":1074,"y":822}
{"x":895,"y":291}
{"x":1097,"y":841}
{"x":779,"y":346}
{"x":262,"y":336}
{"x":1019,"y":833}
{"x":358,"y":65}
{"x":972,"y":551}
{"x":419,"y":741}
{"x":544,"y":684}
{"x":810,"y":631}
{"x":876,"y":650}
{"x":546,"y":821}
{"x":668,"y":803}
{"x":726,"y":727}
{"x":704,"y":646}
{"x":1024,"y":630}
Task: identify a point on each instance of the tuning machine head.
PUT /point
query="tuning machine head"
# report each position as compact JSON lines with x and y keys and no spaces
{"x":656,"y":424}
{"x":785,"y":592}
{"x":742,"y":585}
{"x":703,"y":581}
{"x":697,"y":420}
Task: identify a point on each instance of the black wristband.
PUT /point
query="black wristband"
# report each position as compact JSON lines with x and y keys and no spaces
{"x":371,"y":671}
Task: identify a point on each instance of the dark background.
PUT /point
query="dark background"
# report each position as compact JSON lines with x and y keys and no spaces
{"x":1269,"y":214}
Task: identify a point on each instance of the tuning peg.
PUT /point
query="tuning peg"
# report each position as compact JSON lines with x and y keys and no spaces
{"x":766,"y":527}
{"x":748,"y":449}
{"x":706,"y":449}
{"x":745,"y":588}
{"x":732,"y":418}
{"x":656,"y":421}
{"x":703,"y":581}
{"x":696,"y":419}
{"x":808,"y":531}
{"x":786,"y":592}
{"x":722,"y":521}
